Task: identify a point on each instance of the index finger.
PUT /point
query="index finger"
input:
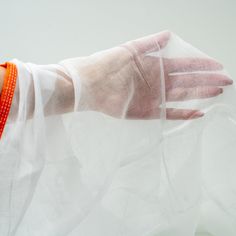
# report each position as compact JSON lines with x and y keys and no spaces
{"x":188,"y":64}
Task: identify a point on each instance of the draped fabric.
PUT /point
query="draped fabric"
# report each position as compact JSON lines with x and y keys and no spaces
{"x":154,"y":156}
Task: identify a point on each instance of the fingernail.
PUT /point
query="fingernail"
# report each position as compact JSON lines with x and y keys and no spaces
{"x":199,"y":113}
{"x":220,"y":90}
{"x":228,"y":81}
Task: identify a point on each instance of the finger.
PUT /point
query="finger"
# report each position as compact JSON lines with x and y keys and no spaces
{"x":183,"y":94}
{"x":197,"y":79}
{"x":191,"y":64}
{"x":171,"y":114}
{"x":150,"y":43}
{"x":182,"y":114}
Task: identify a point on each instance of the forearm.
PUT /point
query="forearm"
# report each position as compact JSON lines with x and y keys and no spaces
{"x":41,"y":88}
{"x":47,"y":85}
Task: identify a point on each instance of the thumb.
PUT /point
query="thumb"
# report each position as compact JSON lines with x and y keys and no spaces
{"x":150,"y":43}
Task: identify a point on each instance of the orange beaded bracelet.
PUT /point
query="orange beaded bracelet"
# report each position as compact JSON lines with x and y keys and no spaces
{"x":7,"y":93}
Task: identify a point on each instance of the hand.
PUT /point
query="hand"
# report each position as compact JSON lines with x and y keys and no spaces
{"x":125,"y":81}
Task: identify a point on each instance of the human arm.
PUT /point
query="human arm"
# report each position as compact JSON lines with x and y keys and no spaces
{"x":123,"y":82}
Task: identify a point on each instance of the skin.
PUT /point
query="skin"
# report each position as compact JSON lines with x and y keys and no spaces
{"x":2,"y":74}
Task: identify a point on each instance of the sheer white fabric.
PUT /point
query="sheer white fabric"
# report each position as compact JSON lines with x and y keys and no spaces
{"x":145,"y":162}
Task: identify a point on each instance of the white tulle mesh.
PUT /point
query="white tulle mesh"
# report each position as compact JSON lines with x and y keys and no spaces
{"x":137,"y":140}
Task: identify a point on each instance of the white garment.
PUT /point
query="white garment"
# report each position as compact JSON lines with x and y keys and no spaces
{"x":88,"y":173}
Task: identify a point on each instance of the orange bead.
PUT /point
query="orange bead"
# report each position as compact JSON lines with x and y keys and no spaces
{"x":7,"y":93}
